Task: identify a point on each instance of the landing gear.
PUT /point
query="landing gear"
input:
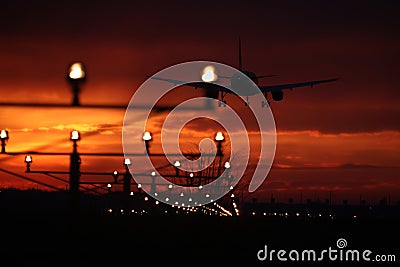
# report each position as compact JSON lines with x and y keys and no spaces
{"x":247,"y":103}
{"x":266,"y":101}
{"x":222,"y":102}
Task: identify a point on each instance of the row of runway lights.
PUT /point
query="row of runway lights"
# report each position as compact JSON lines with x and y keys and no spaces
{"x":109,"y":186}
{"x":216,"y":209}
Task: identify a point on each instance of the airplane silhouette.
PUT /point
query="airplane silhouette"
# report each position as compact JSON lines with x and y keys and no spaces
{"x":243,"y":87}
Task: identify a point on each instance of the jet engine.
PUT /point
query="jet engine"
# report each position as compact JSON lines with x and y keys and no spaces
{"x":277,"y":95}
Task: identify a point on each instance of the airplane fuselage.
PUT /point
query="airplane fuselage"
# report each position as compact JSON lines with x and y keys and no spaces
{"x":245,"y":86}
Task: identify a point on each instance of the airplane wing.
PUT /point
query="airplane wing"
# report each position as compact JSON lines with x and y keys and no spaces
{"x":272,"y":88}
{"x":202,"y":85}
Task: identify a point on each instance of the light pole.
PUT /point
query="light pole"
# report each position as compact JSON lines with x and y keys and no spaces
{"x":28,"y":161}
{"x":219,"y":138}
{"x":115,"y":176}
{"x":74,"y":172}
{"x":153,"y":182}
{"x":76,"y":76}
{"x":177,"y":164}
{"x":4,"y":138}
{"x":147,"y":138}
{"x":127,"y":186}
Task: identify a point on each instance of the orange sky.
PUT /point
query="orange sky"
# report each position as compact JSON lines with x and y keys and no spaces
{"x":341,"y":137}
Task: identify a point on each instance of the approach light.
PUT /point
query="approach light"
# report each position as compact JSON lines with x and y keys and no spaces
{"x":147,"y":139}
{"x":177,"y":164}
{"x":28,"y":161}
{"x":3,"y":137}
{"x":127,"y":162}
{"x":219,"y":137}
{"x":76,"y":74}
{"x":147,"y":136}
{"x":209,"y":74}
{"x":75,"y":136}
{"x":227,"y":165}
{"x":115,"y":175}
{"x":77,"y":71}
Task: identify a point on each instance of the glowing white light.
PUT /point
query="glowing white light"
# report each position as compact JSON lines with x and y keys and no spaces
{"x":227,"y":165}
{"x":166,"y":199}
{"x":170,"y":186}
{"x":153,"y":173}
{"x":209,"y":74}
{"x":191,"y":175}
{"x":146,"y":198}
{"x":181,"y":195}
{"x":75,"y":135}
{"x":147,"y":136}
{"x":177,"y":163}
{"x":131,"y":194}
{"x":28,"y":159}
{"x":76,"y":71}
{"x":127,"y":161}
{"x":115,"y":173}
{"x":109,"y":185}
{"x":139,"y":185}
{"x":231,"y":188}
{"x":200,"y":187}
{"x":4,"y":134}
{"x":219,"y":136}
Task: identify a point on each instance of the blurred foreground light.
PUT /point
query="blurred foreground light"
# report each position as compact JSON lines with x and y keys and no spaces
{"x":209,"y":74}
{"x":75,"y":136}
{"x":77,"y":71}
{"x":227,"y":165}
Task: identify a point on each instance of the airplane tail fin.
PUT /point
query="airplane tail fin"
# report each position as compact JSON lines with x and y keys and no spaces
{"x":240,"y":56}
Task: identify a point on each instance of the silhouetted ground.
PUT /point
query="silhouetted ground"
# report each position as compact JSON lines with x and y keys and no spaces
{"x":52,"y":237}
